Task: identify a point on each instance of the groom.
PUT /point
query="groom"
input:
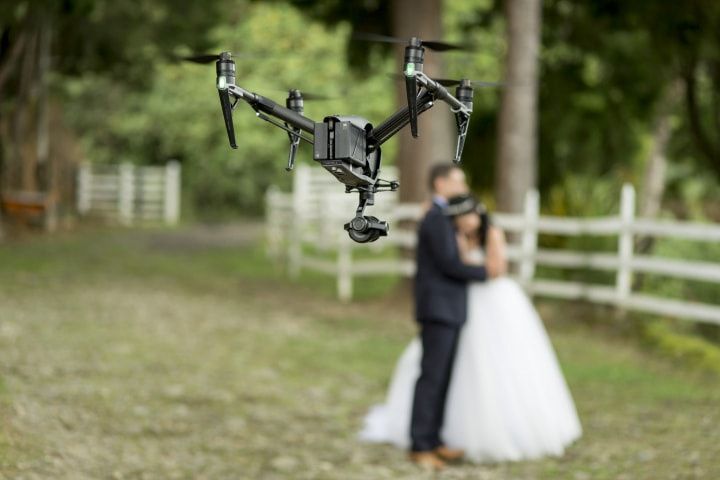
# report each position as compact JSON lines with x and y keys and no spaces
{"x":440,"y":309}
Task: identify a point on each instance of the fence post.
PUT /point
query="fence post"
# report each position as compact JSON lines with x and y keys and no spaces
{"x":623,"y":282}
{"x":126,"y":193}
{"x":273,"y":222}
{"x":171,"y":210}
{"x":528,"y":245}
{"x":301,"y":186}
{"x":344,"y":268}
{"x":84,"y":188}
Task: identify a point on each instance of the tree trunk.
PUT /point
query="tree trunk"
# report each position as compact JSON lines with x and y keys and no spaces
{"x":656,"y":166}
{"x":9,"y":66}
{"x":517,"y":133}
{"x":42,"y":144}
{"x":436,"y":143}
{"x":20,"y":176}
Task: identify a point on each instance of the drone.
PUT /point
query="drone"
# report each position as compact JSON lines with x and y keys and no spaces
{"x":349,"y":146}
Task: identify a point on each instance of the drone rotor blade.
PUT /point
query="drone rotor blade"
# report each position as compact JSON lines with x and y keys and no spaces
{"x":439,"y":46}
{"x":481,"y":83}
{"x":315,"y":96}
{"x":447,"y":82}
{"x":435,"y":45}
{"x":201,"y":58}
{"x":374,"y":37}
{"x":205,"y":58}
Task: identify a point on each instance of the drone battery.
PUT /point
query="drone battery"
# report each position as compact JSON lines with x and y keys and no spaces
{"x":350,"y":143}
{"x":340,"y":147}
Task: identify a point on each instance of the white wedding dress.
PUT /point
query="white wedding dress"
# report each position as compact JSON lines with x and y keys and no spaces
{"x":507,"y":398}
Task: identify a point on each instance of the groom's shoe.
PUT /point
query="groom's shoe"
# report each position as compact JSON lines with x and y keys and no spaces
{"x":427,"y":460}
{"x":449,"y":454}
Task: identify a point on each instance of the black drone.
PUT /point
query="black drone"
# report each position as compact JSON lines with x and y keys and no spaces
{"x":348,"y":146}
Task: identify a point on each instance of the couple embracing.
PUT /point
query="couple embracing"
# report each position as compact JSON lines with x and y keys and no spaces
{"x":481,"y":380}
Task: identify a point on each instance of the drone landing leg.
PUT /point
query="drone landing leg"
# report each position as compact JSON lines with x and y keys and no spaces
{"x":463,"y":122}
{"x":294,"y":144}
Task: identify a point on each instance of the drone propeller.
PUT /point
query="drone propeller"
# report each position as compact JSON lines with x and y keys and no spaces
{"x":316,"y":96}
{"x":202,"y":58}
{"x":435,"y":45}
{"x":206,"y":58}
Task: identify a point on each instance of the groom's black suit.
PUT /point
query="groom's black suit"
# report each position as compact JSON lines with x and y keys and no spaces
{"x":441,"y":310}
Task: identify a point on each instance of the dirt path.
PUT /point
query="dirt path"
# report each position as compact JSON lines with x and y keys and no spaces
{"x":187,"y":355}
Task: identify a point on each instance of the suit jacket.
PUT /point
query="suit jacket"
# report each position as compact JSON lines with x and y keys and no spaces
{"x":441,"y":278}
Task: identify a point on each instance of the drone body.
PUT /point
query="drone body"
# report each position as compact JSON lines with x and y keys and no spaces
{"x":341,"y":148}
{"x":349,"y":146}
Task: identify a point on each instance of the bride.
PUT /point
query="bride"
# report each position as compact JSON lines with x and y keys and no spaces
{"x":507,"y":398}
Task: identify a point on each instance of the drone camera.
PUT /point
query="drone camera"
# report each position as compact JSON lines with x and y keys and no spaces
{"x":366,"y":229}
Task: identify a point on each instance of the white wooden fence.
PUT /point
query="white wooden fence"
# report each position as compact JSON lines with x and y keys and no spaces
{"x":305,"y":228}
{"x":130,"y":194}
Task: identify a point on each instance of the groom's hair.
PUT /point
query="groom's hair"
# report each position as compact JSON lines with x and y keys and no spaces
{"x":440,"y":170}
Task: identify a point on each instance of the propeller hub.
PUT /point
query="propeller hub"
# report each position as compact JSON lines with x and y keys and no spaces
{"x":414,"y":57}
{"x":464,"y":93}
{"x":294,"y":101}
{"x":225,"y":68}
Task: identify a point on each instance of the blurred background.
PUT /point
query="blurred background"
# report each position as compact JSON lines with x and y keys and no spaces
{"x":172,"y":308}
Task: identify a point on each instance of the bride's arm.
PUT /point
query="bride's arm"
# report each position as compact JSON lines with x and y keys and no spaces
{"x":496,"y":260}
{"x":466,"y":245}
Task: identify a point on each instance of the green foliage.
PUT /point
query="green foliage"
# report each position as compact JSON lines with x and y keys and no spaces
{"x":179,"y":117}
{"x":122,"y":39}
{"x":469,"y":22}
{"x":678,"y":343}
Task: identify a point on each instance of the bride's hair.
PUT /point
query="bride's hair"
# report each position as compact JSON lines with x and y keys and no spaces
{"x":464,"y":204}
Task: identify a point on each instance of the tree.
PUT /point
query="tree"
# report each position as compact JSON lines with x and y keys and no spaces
{"x":121,"y":40}
{"x":436,"y":141}
{"x":517,"y":132}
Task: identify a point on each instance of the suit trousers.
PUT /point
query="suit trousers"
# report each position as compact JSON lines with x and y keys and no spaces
{"x":439,"y":344}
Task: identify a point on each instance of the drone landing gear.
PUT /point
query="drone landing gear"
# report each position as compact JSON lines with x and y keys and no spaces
{"x":367,"y":228}
{"x":294,"y":144}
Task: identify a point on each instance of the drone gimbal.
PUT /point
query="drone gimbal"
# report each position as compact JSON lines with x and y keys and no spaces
{"x":349,"y":146}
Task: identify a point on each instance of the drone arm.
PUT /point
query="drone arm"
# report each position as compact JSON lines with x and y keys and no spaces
{"x":397,"y":121}
{"x":431,"y":90}
{"x":265,"y":105}
{"x":461,"y":109}
{"x":441,"y":93}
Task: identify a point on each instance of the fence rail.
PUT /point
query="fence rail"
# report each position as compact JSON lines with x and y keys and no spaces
{"x":130,"y":194}
{"x":305,"y":227}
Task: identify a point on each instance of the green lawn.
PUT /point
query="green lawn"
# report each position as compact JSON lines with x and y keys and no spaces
{"x":151,"y":354}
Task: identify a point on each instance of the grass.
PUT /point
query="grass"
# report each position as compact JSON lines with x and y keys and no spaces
{"x":137,"y":354}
